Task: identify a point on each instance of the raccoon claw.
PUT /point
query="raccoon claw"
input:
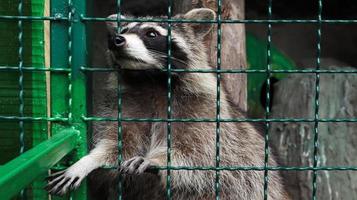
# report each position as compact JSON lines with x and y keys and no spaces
{"x":55,"y":175}
{"x":136,"y":165}
{"x":61,"y":182}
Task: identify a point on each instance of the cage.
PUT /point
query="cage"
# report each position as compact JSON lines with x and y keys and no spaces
{"x":46,"y":84}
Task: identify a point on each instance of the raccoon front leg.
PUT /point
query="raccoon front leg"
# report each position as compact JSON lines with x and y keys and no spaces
{"x":155,"y":156}
{"x":138,"y":165}
{"x":61,"y":182}
{"x":145,"y":164}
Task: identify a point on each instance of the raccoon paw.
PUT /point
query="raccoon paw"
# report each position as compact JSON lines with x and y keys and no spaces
{"x":62,"y":182}
{"x":137,"y":165}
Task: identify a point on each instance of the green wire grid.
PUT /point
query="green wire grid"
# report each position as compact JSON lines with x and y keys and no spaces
{"x":76,"y":19}
{"x":73,"y":107}
{"x":267,"y":109}
{"x":317,"y":98}
{"x":223,"y":21}
{"x":169,"y":99}
{"x":218,"y":93}
{"x":119,"y":120}
{"x":21,"y":87}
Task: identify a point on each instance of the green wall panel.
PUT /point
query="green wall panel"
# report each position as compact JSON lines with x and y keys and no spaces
{"x":34,"y":84}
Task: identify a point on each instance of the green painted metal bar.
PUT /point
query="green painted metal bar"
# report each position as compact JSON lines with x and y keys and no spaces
{"x":218,"y":100}
{"x":169,"y":102}
{"x":39,"y":92}
{"x":251,"y":168}
{"x":58,"y":59}
{"x":68,"y":91}
{"x":223,"y":21}
{"x":238,"y":71}
{"x":78,"y":106}
{"x":316,"y":155}
{"x":325,"y":120}
{"x":25,"y":168}
{"x":267,"y":108}
{"x":119,"y":103}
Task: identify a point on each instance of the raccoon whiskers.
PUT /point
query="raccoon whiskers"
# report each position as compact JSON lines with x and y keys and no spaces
{"x":163,"y":55}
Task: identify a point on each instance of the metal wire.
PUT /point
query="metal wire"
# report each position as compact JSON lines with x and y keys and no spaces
{"x":169,"y":100}
{"x":21,"y":80}
{"x":218,"y":99}
{"x":221,"y":71}
{"x":316,"y":120}
{"x":296,"y":120}
{"x":237,"y":71}
{"x":223,"y":21}
{"x":250,"y":168}
{"x":267,"y":108}
{"x":69,"y":50}
{"x":119,"y":104}
{"x":19,"y":118}
{"x":317,"y":103}
{"x":21,"y":87}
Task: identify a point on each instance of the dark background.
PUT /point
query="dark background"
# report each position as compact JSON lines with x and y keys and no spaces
{"x":297,"y":41}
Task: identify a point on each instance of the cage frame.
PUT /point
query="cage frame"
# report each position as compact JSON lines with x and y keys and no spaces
{"x":70,"y":129}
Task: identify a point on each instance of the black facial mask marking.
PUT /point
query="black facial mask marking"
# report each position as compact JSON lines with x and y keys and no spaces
{"x":144,"y":77}
{"x":158,"y":45}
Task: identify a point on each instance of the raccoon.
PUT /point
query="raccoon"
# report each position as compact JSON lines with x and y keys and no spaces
{"x":139,"y":51}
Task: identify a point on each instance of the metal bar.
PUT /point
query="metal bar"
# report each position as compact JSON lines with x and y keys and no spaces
{"x":33,"y":69}
{"x":312,"y":71}
{"x":58,"y":60}
{"x":40,"y":84}
{"x":21,"y":79}
{"x":231,"y":21}
{"x":317,"y":103}
{"x":218,"y":98}
{"x":103,"y":69}
{"x":68,"y":48}
{"x":267,"y":108}
{"x":20,"y":172}
{"x":21,"y":87}
{"x":169,"y":100}
{"x":77,"y":57}
{"x":297,"y":120}
{"x":252,"y":168}
{"x":33,"y":18}
{"x":83,"y":18}
{"x":18,"y":118}
{"x":119,"y":103}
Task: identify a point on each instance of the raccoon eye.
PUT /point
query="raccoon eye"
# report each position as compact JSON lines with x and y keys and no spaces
{"x":124,"y":30}
{"x":152,"y":33}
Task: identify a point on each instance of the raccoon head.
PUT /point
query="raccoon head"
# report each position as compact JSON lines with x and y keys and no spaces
{"x":143,"y":46}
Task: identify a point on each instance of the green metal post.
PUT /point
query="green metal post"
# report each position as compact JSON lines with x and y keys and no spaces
{"x":39,"y":101}
{"x":68,"y":93}
{"x":18,"y":173}
{"x":79,"y":58}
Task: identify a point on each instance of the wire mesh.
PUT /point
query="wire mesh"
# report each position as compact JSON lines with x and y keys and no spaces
{"x":70,"y":19}
{"x":169,"y":99}
{"x":119,"y":120}
{"x":267,"y":108}
{"x":317,"y":98}
{"x":21,"y":87}
{"x":218,"y":92}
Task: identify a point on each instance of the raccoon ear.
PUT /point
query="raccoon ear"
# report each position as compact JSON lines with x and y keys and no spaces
{"x":201,"y":29}
{"x":112,"y":25}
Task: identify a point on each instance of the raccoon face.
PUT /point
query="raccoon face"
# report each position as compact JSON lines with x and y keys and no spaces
{"x":142,"y":46}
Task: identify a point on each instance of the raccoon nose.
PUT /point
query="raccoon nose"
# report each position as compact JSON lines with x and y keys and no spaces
{"x":119,"y":41}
